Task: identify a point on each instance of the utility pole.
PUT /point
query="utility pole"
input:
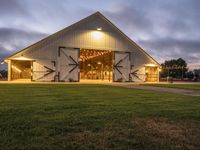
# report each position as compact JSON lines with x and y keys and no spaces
{"x":182,"y":72}
{"x":167,"y":74}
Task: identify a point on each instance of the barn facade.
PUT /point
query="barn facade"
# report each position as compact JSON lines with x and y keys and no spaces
{"x":91,"y":49}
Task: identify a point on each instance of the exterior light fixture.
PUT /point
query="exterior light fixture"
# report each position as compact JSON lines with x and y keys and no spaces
{"x":2,"y":62}
{"x":99,"y":28}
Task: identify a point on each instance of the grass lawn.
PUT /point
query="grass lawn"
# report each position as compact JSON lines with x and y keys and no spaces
{"x":52,"y":117}
{"x":180,"y":86}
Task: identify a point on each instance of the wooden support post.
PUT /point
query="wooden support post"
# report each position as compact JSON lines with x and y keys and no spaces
{"x":9,"y":70}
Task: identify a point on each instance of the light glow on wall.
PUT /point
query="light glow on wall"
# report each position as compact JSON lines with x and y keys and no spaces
{"x":17,"y":69}
{"x":21,"y":58}
{"x":97,"y":35}
{"x":151,"y":65}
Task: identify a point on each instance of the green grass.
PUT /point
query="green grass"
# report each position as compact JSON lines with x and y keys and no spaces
{"x":179,"y":86}
{"x":52,"y":117}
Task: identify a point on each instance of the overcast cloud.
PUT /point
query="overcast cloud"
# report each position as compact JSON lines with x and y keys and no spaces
{"x":165,"y":29}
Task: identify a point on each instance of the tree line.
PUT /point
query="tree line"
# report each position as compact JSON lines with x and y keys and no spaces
{"x":3,"y":74}
{"x":177,"y":68}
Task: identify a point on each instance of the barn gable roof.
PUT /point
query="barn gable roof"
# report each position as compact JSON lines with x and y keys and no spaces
{"x":97,"y":14}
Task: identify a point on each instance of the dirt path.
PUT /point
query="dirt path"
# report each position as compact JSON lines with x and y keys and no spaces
{"x":162,"y":89}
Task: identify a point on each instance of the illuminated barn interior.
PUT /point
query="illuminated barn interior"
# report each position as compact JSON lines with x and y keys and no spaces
{"x":96,"y":64}
{"x":91,"y":49}
{"x":21,"y":69}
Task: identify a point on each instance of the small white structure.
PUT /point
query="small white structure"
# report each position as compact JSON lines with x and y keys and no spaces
{"x":91,"y":49}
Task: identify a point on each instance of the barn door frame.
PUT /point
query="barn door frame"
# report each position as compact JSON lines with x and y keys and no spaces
{"x":117,"y":66}
{"x":46,"y":72}
{"x":75,"y":63}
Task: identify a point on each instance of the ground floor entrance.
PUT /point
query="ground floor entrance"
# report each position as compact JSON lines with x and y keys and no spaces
{"x":96,"y":65}
{"x":21,"y":69}
{"x":152,"y":74}
{"x":81,"y":64}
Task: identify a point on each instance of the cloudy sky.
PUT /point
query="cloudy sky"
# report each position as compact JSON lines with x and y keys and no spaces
{"x":165,"y":29}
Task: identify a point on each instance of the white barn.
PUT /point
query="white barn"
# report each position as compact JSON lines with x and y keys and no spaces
{"x":91,"y":49}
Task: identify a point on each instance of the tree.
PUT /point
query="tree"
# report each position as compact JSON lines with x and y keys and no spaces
{"x":3,"y":73}
{"x":197,"y":73}
{"x":190,"y":75}
{"x":175,"y":68}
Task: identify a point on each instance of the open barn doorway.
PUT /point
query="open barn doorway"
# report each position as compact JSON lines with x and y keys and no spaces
{"x":21,"y":70}
{"x":152,"y":73}
{"x":96,"y":64}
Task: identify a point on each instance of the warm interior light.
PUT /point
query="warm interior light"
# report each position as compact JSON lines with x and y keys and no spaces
{"x":151,"y":65}
{"x":96,"y":35}
{"x":99,"y":63}
{"x":17,"y":69}
{"x":99,"y":28}
{"x":21,"y":58}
